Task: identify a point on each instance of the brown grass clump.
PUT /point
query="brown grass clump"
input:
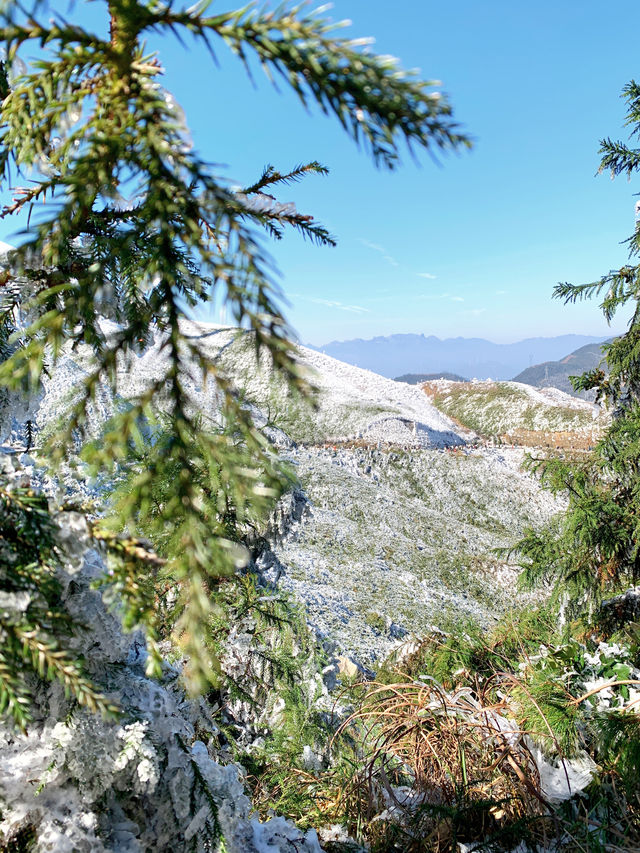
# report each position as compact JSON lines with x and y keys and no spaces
{"x":441,"y":767}
{"x":546,"y":439}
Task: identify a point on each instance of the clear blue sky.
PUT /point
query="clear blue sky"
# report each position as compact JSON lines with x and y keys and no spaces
{"x":474,"y":246}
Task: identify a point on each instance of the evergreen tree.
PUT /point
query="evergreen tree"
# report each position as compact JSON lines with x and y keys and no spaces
{"x":594,"y":550}
{"x":32,"y":618}
{"x":130,"y":223}
{"x":591,"y":552}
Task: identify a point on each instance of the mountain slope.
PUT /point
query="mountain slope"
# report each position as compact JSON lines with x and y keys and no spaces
{"x":555,"y":374}
{"x":495,"y":409}
{"x":402,"y":516}
{"x":351,"y":403}
{"x":395,"y":542}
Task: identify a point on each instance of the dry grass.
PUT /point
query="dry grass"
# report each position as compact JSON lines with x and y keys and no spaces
{"x":548,"y":440}
{"x":440,"y":767}
{"x":501,"y":411}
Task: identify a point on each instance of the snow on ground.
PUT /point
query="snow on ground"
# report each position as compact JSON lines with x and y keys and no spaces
{"x":561,"y":398}
{"x":352,"y":403}
{"x":402,"y":522}
{"x":418,"y":421}
{"x":395,"y":541}
{"x":554,"y":397}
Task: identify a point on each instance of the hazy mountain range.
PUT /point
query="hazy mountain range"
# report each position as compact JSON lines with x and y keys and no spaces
{"x":395,"y":355}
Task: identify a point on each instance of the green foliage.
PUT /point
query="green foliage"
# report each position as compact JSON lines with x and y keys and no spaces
{"x":233,"y":494}
{"x":619,"y":747}
{"x":264,"y":660}
{"x":210,"y":832}
{"x":306,"y":765}
{"x":593,"y":548}
{"x":591,"y":551}
{"x":542,"y":702}
{"x":278,"y":679}
{"x":376,"y":621}
{"x":34,"y":625}
{"x":620,"y":287}
{"x":143,"y":232}
{"x":278,"y":652}
{"x":524,"y":656}
{"x":465,"y":652}
{"x":279,"y":644}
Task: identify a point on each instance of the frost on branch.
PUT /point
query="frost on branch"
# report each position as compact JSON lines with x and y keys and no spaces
{"x":145,"y":781}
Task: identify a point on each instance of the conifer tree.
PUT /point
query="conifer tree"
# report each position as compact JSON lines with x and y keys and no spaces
{"x":128,"y":222}
{"x":594,"y":550}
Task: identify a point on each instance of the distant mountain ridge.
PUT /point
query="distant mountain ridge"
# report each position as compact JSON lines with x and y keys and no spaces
{"x":555,"y":374}
{"x":395,"y":355}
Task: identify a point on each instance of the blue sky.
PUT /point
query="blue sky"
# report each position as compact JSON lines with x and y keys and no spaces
{"x":472,"y":246}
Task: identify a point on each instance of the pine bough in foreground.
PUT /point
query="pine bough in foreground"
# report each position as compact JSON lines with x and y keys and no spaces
{"x":128,"y":222}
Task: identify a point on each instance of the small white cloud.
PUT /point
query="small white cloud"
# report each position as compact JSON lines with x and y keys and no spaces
{"x":475,"y":312}
{"x":373,"y":246}
{"x":501,"y":292}
{"x":330,"y":303}
{"x":440,"y":296}
{"x":381,"y":249}
{"x":426,"y":275}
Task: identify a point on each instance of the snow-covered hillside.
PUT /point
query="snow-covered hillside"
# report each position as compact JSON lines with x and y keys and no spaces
{"x":404,"y":507}
{"x":395,"y":541}
{"x":351,"y":404}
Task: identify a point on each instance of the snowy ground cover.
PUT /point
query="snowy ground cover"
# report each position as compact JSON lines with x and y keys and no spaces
{"x":402,"y":517}
{"x":351,"y":404}
{"x":397,"y":541}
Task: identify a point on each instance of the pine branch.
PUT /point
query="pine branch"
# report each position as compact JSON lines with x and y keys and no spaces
{"x":618,"y":158}
{"x":50,"y":662}
{"x":141,"y":231}
{"x":271,"y":176}
{"x":33,"y":624}
{"x":371,"y":98}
